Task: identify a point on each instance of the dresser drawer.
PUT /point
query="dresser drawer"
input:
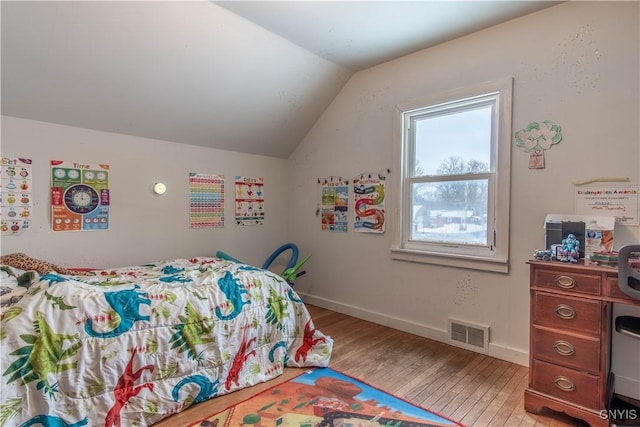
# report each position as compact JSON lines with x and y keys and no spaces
{"x":613,"y":290}
{"x":581,"y":353}
{"x":565,"y":312}
{"x":567,"y":384}
{"x":574,"y":282}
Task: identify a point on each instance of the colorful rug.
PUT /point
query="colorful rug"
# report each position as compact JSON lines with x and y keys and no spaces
{"x":324,"y":397}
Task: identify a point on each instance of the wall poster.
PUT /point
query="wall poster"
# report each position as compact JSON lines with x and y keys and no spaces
{"x":335,"y":201}
{"x":368,"y":192}
{"x":536,"y":138}
{"x":15,"y":195}
{"x":618,"y":201}
{"x":249,"y":200}
{"x":206,"y":200}
{"x":79,"y":196}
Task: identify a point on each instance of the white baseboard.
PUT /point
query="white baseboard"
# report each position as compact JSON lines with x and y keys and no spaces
{"x":500,"y":352}
{"x":629,"y":387}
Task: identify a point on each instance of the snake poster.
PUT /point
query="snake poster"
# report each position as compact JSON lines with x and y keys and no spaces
{"x":368,"y":190}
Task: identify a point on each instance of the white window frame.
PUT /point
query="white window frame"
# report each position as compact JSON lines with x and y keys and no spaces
{"x":493,"y":258}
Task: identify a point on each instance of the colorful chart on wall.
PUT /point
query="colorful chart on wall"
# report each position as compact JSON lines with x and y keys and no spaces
{"x":15,"y":195}
{"x":249,"y":200}
{"x":79,"y":196}
{"x":368,"y":190}
{"x":206,"y":200}
{"x":335,"y":202}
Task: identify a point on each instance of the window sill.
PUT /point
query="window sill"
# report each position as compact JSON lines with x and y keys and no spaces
{"x":458,"y":261}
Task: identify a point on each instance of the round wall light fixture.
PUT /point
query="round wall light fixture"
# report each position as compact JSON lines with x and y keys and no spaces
{"x":159,"y":188}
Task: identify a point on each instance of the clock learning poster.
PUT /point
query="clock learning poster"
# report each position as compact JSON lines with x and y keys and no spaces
{"x":79,"y":196}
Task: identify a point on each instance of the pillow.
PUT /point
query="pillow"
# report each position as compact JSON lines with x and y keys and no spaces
{"x":24,"y":262}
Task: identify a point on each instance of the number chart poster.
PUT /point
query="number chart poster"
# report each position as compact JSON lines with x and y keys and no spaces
{"x":206,"y":204}
{"x":369,"y":203}
{"x":249,"y":200}
{"x":15,"y":195}
{"x":335,"y":201}
{"x":79,"y":196}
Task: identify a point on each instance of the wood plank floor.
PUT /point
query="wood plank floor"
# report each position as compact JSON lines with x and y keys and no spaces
{"x":472,"y":388}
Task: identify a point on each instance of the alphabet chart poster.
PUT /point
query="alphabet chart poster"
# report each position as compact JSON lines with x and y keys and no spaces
{"x":249,"y":200}
{"x":79,"y":196}
{"x":15,"y":195}
{"x":335,"y":201}
{"x":206,"y":200}
{"x":368,"y":191}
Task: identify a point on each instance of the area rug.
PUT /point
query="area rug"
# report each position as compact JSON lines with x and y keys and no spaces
{"x":324,"y":397}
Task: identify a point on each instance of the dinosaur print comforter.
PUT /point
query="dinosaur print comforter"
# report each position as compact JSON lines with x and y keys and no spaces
{"x":130,"y":346}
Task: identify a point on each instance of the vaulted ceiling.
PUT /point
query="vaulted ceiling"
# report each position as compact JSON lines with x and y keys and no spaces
{"x":247,"y":76}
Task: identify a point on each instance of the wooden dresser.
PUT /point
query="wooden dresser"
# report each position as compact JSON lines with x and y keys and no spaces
{"x":570,"y":339}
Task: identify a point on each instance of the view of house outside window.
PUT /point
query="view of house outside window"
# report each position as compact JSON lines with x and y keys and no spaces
{"x":449,"y":189}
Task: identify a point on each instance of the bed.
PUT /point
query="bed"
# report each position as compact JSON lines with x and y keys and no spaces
{"x":132,"y":345}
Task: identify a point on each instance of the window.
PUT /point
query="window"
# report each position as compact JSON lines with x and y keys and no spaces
{"x":453,"y":152}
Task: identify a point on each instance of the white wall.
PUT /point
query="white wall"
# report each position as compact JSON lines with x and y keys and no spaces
{"x":143,"y":227}
{"x":575,"y":64}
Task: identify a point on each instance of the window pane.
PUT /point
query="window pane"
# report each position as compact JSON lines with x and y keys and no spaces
{"x":462,"y":135}
{"x":450,"y":212}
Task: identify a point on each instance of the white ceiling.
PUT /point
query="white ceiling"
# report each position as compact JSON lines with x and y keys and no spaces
{"x":362,"y":34}
{"x":247,"y":76}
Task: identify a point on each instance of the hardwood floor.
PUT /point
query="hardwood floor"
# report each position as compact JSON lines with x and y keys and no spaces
{"x":471,"y":388}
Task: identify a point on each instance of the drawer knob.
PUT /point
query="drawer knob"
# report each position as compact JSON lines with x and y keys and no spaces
{"x":564,"y":348}
{"x":565,"y":312}
{"x":565,"y":282}
{"x":564,"y":383}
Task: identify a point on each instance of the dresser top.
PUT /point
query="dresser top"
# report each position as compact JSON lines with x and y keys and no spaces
{"x":578,"y":266}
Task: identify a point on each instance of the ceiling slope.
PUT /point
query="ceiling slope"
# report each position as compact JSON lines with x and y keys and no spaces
{"x":188,"y":72}
{"x":246,"y":76}
{"x":362,"y":34}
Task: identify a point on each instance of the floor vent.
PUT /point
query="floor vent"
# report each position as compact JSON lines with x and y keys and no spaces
{"x":469,"y":336}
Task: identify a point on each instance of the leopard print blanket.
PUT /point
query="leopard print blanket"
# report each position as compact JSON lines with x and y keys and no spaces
{"x":24,"y":262}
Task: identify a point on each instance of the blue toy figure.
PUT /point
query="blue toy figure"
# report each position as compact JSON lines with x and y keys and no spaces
{"x":545,"y":255}
{"x":570,"y":249}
